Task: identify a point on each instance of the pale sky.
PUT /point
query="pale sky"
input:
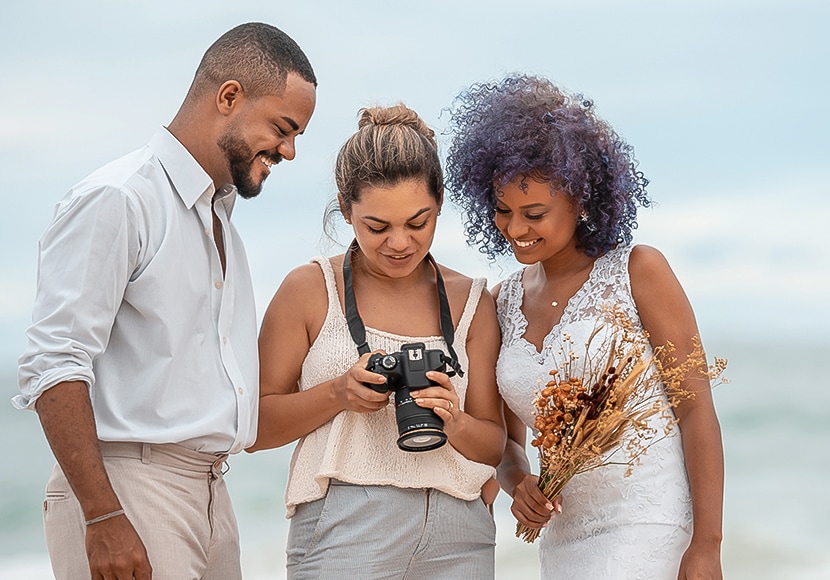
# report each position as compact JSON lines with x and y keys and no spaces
{"x":725,"y":103}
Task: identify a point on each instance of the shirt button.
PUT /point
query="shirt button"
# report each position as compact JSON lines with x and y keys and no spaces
{"x":224,"y":340}
{"x":240,"y":390}
{"x":217,"y":284}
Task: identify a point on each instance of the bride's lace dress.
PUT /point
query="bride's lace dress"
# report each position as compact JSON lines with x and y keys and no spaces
{"x":611,"y":526}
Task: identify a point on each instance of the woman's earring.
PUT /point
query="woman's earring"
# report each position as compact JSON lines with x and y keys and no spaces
{"x":583,"y":217}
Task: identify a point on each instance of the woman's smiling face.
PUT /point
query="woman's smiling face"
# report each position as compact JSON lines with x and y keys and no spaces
{"x":394,"y":226}
{"x":538,"y":221}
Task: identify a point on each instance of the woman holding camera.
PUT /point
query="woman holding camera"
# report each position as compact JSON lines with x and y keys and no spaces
{"x":359,"y":503}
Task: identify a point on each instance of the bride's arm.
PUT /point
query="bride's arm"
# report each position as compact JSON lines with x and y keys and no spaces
{"x":667,"y":315}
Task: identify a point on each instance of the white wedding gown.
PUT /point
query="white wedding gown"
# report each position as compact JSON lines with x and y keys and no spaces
{"x":611,"y":526}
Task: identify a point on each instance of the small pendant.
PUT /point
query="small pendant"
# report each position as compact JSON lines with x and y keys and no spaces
{"x":554,"y":303}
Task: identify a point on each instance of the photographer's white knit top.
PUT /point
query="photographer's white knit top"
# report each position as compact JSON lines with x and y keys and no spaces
{"x":360,"y":448}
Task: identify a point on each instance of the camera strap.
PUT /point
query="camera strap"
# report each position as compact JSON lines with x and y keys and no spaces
{"x":358,"y":330}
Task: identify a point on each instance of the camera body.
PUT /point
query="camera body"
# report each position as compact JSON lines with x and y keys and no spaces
{"x":406,"y":368}
{"x":419,"y":428}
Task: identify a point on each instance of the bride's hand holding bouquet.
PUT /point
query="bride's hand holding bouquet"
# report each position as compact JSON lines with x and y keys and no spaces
{"x":530,"y":506}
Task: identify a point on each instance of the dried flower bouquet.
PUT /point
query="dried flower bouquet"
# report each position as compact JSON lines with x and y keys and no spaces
{"x":596,"y":409}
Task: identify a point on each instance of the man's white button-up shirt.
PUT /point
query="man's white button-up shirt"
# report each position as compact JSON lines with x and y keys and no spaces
{"x":132,"y":300}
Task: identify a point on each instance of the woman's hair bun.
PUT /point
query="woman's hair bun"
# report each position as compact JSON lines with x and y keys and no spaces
{"x":400,"y":115}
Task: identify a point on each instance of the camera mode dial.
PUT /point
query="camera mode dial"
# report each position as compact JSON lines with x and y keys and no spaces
{"x":389,"y":362}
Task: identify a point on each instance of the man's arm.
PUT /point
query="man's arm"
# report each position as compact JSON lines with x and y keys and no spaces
{"x":86,"y":257}
{"x":113,"y":546}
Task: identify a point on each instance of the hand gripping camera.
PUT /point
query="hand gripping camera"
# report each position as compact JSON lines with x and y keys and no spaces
{"x":419,"y":428}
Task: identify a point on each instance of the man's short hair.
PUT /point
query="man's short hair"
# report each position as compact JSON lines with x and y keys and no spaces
{"x":258,"y":56}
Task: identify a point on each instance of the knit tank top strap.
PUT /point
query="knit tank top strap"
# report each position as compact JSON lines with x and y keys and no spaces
{"x":469,"y":310}
{"x":334,"y":308}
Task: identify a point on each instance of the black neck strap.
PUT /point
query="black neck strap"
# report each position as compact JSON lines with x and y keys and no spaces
{"x":358,"y":330}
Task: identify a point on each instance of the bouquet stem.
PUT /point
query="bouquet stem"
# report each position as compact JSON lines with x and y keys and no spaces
{"x":550,"y":485}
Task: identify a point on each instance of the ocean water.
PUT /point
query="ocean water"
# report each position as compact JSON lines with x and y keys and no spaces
{"x":775,"y":416}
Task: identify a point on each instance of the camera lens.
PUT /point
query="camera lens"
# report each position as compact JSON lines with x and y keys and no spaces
{"x":422,"y":441}
{"x":420,"y":429}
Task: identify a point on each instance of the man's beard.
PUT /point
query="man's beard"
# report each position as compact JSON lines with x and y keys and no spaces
{"x":240,"y":163}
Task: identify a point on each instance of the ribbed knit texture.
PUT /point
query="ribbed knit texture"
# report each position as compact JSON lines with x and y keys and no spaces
{"x":360,"y":448}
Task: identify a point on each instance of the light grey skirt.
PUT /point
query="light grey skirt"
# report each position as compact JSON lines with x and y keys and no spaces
{"x":385,"y":532}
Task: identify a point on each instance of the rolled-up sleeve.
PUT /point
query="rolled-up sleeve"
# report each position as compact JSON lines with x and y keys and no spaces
{"x":86,"y":258}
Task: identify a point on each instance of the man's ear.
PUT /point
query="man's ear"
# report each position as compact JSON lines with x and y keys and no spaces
{"x":228,"y":97}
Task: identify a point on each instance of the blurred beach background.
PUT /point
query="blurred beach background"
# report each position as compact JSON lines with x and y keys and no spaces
{"x":725,"y":103}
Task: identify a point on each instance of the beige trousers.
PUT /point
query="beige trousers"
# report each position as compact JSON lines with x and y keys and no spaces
{"x":175,"y":498}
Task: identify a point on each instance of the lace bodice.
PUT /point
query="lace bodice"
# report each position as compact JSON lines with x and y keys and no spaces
{"x":360,"y":448}
{"x":607,"y":284}
{"x":593,"y":537}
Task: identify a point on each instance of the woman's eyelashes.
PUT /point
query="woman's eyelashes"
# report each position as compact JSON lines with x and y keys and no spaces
{"x":530,"y":216}
{"x":380,"y":230}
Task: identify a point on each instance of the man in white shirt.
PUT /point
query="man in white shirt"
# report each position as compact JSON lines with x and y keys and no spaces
{"x":142,"y":358}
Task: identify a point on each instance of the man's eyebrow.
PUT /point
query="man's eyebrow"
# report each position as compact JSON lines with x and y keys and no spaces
{"x":291,"y":122}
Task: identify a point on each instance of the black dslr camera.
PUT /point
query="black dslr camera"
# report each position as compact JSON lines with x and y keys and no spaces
{"x":420,"y":429}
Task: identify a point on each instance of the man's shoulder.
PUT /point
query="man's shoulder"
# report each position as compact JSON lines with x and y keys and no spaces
{"x":134,"y":179}
{"x":122,"y":172}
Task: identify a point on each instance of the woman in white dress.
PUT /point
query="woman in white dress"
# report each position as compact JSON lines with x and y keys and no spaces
{"x":539,"y":175}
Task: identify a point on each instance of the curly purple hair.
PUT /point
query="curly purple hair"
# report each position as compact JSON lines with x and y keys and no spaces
{"x":524,"y":126}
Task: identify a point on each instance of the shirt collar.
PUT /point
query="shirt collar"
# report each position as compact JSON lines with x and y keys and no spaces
{"x":227,"y":197}
{"x":189,"y":179}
